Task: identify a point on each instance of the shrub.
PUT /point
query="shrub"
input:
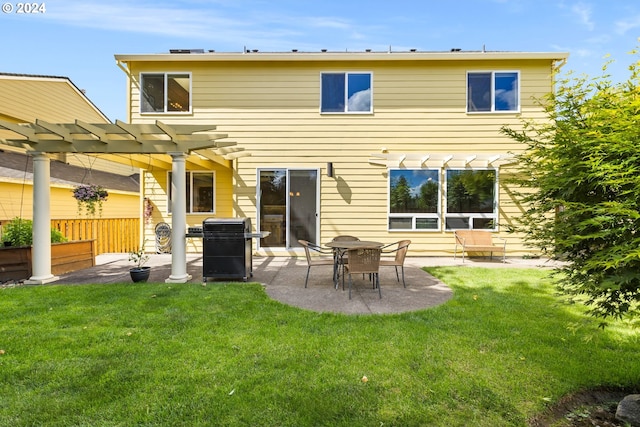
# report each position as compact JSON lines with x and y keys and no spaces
{"x":19,"y":232}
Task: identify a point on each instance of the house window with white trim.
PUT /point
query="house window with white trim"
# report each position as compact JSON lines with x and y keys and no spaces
{"x":199,"y":190}
{"x":493,"y":92}
{"x":165,"y":92}
{"x":346,"y":93}
{"x":471,"y":199}
{"x":414,"y":199}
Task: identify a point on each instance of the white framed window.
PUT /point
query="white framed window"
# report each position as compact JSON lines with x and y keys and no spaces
{"x":493,"y":91}
{"x":162,"y":93}
{"x":414,"y":199}
{"x":346,"y":92}
{"x":200,"y":190}
{"x":471,"y":199}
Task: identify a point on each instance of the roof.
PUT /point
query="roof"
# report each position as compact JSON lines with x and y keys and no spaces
{"x":19,"y":166}
{"x":181,"y":55}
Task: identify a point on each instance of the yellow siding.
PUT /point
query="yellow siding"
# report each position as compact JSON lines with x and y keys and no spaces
{"x":272,"y":110}
{"x":24,"y":99}
{"x":16,"y":200}
{"x":155,"y":189}
{"x":54,"y":100}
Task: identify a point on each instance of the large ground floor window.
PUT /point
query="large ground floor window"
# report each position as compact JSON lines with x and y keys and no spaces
{"x":420,"y":199}
{"x":288,"y":200}
{"x":471,"y":199}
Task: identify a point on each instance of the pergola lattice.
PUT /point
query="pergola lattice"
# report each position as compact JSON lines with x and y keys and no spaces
{"x":158,"y":139}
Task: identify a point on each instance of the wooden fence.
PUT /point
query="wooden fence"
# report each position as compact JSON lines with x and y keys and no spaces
{"x":110,"y":235}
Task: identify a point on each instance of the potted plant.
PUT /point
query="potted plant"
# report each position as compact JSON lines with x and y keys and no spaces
{"x":90,"y":197}
{"x":139,"y":273}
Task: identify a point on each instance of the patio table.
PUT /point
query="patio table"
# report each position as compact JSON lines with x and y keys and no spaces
{"x":341,"y":246}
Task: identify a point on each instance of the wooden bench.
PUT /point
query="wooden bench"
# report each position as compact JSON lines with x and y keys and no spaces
{"x":478,"y":241}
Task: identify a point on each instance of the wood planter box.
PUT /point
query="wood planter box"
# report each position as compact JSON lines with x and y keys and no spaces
{"x":16,"y":262}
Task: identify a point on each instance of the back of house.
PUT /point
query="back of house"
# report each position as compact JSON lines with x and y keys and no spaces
{"x":385,"y":146}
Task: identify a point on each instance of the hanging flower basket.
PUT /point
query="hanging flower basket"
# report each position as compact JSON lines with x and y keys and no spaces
{"x":90,"y":197}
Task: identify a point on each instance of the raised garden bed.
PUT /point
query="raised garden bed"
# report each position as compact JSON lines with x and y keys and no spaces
{"x":16,"y":262}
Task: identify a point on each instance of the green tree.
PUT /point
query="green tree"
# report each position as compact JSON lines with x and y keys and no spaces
{"x":400,"y":195}
{"x":580,"y":180}
{"x":428,"y":200}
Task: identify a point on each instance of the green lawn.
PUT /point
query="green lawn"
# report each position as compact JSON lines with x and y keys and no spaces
{"x":186,"y":355}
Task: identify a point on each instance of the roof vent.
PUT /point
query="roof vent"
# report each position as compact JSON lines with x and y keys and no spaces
{"x":186,"y":50}
{"x":456,"y":49}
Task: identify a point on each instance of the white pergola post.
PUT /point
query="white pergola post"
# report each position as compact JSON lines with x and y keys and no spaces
{"x":178,"y":220}
{"x":41,"y":264}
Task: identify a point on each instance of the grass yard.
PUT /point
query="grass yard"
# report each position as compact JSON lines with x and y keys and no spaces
{"x":499,"y":352}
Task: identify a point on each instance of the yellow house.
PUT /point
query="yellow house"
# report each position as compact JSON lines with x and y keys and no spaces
{"x":52,"y":99}
{"x":382,"y":145}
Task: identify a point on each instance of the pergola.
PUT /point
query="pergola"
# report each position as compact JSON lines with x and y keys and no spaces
{"x":138,"y":142}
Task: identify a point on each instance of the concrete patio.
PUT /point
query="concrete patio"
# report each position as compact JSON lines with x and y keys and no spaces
{"x":283,"y":279}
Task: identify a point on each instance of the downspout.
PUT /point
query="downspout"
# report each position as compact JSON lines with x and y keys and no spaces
{"x":126,"y":70}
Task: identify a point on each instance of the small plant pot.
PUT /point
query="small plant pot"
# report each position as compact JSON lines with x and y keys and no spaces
{"x":140,"y":274}
{"x":7,"y":244}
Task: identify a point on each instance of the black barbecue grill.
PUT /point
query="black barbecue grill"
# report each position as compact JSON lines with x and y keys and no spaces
{"x":227,"y":248}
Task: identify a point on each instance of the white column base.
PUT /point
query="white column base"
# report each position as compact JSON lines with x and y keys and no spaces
{"x":178,"y":279}
{"x":35,"y":280}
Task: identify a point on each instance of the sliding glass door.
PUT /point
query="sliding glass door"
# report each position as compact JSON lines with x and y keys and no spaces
{"x":288,"y":200}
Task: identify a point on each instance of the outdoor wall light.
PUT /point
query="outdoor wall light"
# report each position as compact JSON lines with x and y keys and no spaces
{"x":330,"y":169}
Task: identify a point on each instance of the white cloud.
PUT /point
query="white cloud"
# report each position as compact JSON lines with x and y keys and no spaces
{"x":583,"y":12}
{"x":624,"y":25}
{"x":360,"y":101}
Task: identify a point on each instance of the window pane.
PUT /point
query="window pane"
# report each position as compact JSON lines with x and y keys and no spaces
{"x":470,"y":191}
{"x":456,"y":223}
{"x":400,"y":223}
{"x":273,"y":205}
{"x":178,"y":92}
{"x":484,"y":223}
{"x":413,"y":191}
{"x":359,"y":92}
{"x":479,"y":92}
{"x":333,"y":90}
{"x":506,"y":91}
{"x":426,"y":224}
{"x":202,"y":192}
{"x":302,"y":206}
{"x":152,"y":98}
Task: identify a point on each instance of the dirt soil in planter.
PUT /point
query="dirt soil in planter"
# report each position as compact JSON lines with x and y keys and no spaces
{"x":587,"y":408}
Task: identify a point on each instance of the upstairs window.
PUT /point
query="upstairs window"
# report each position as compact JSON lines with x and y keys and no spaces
{"x":346,"y":93}
{"x":493,"y":91}
{"x":165,"y":93}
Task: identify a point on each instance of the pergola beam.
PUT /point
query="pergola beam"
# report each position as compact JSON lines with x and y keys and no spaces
{"x":54,"y":129}
{"x":93,"y":129}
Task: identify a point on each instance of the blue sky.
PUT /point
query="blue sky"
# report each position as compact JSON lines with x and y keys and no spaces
{"x":78,"y":38}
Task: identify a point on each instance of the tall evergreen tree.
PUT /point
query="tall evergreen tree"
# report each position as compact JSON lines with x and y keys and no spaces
{"x":580,"y":180}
